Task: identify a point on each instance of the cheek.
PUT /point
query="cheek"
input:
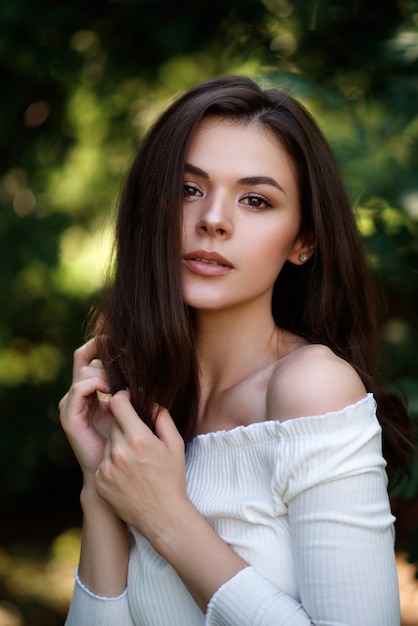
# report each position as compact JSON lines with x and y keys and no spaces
{"x":270,"y":248}
{"x":186,"y":227}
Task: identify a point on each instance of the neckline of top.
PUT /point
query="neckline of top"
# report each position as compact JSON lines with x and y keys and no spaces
{"x":300,"y":426}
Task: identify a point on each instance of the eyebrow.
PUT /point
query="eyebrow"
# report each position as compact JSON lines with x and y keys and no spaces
{"x":261,"y":180}
{"x":247,"y":180}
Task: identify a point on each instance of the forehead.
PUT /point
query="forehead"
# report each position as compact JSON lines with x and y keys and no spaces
{"x":235,"y":145}
{"x":233,"y":129}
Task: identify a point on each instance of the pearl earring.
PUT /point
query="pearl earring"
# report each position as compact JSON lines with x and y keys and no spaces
{"x":302,"y":257}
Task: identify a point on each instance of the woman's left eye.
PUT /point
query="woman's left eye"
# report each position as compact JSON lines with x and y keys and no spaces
{"x":256,"y":201}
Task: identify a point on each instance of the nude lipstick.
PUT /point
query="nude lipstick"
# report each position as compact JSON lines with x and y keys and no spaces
{"x":207,"y":263}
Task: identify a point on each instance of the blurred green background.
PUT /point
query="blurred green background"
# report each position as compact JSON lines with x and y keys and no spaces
{"x":81,"y":81}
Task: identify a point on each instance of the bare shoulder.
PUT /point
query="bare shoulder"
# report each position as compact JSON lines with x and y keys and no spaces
{"x":312,"y":381}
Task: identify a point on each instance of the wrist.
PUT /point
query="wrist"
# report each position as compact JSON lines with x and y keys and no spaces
{"x":167,"y":537}
{"x":104,"y":554}
{"x":91,"y":501}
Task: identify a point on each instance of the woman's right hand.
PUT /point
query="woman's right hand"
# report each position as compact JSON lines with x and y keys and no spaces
{"x":85,"y":417}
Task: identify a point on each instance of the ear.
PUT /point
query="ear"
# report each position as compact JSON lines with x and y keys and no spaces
{"x":302,"y":250}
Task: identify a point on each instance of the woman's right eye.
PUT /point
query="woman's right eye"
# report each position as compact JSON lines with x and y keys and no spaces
{"x":190,"y":191}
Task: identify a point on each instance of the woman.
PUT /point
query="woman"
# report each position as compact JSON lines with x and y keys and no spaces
{"x":240,"y":323}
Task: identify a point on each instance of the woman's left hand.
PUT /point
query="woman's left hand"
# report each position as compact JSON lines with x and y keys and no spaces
{"x":142,"y":474}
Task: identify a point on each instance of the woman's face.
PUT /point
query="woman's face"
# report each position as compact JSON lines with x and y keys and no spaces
{"x":241,"y":215}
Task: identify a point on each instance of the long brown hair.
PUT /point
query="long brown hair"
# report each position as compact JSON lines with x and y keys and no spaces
{"x":146,"y":329}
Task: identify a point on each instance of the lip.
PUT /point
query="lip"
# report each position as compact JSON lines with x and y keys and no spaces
{"x":207,"y":263}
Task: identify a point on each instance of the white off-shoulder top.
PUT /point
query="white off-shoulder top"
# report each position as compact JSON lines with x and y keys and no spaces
{"x":305,"y":503}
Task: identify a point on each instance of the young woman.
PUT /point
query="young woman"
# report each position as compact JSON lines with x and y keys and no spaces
{"x":236,"y":475}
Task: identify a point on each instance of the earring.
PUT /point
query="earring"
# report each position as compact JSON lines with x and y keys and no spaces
{"x":303,"y":257}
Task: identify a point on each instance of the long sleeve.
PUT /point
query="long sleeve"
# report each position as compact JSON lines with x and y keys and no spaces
{"x":249,"y":598}
{"x":333,"y":482}
{"x":88,"y":608}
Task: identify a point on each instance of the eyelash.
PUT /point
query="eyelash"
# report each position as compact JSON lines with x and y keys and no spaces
{"x":187,"y":187}
{"x":263,"y":202}
{"x":190,"y":191}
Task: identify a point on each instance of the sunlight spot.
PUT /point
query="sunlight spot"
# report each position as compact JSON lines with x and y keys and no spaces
{"x":284,"y":43}
{"x":85,"y":258}
{"x":411,"y":204}
{"x":279,"y":8}
{"x":397,"y":332}
{"x":24,"y":202}
{"x":10,"y":615}
{"x":23,"y":362}
{"x":36,"y":114}
{"x":31,"y":282}
{"x":408,"y":590}
{"x":66,"y":547}
{"x":365,"y":221}
{"x":12,"y":182}
{"x":85,"y":42}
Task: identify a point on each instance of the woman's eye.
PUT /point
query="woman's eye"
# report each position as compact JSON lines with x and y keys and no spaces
{"x":190,"y":191}
{"x":257,"y":202}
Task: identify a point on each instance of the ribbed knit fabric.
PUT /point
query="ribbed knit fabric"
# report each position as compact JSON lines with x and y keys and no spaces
{"x":305,"y":503}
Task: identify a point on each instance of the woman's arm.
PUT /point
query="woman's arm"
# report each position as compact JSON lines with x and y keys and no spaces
{"x":86,"y":419}
{"x":104,"y":553}
{"x":330,"y":473}
{"x":100,"y":593}
{"x":142,"y":476}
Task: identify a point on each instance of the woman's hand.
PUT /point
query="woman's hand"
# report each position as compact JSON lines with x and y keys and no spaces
{"x":85,"y":417}
{"x":142,"y":475}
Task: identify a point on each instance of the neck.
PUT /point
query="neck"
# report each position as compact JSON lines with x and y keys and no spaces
{"x":231,"y":345}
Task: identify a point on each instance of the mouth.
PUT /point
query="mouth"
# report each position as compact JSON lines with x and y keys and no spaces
{"x":207,"y":263}
{"x":209,"y":258}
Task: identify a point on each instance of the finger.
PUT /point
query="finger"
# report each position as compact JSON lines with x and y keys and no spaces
{"x":84,"y":355}
{"x":125,"y":414}
{"x":90,"y":371}
{"x":74,"y":402}
{"x":166,"y":430}
{"x":96,"y":363}
{"x":62,"y":402}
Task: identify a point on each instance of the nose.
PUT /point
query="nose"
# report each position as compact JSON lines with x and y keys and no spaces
{"x":215,"y":219}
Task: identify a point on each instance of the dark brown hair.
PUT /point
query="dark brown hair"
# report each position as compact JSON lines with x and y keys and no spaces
{"x":147,"y":330}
